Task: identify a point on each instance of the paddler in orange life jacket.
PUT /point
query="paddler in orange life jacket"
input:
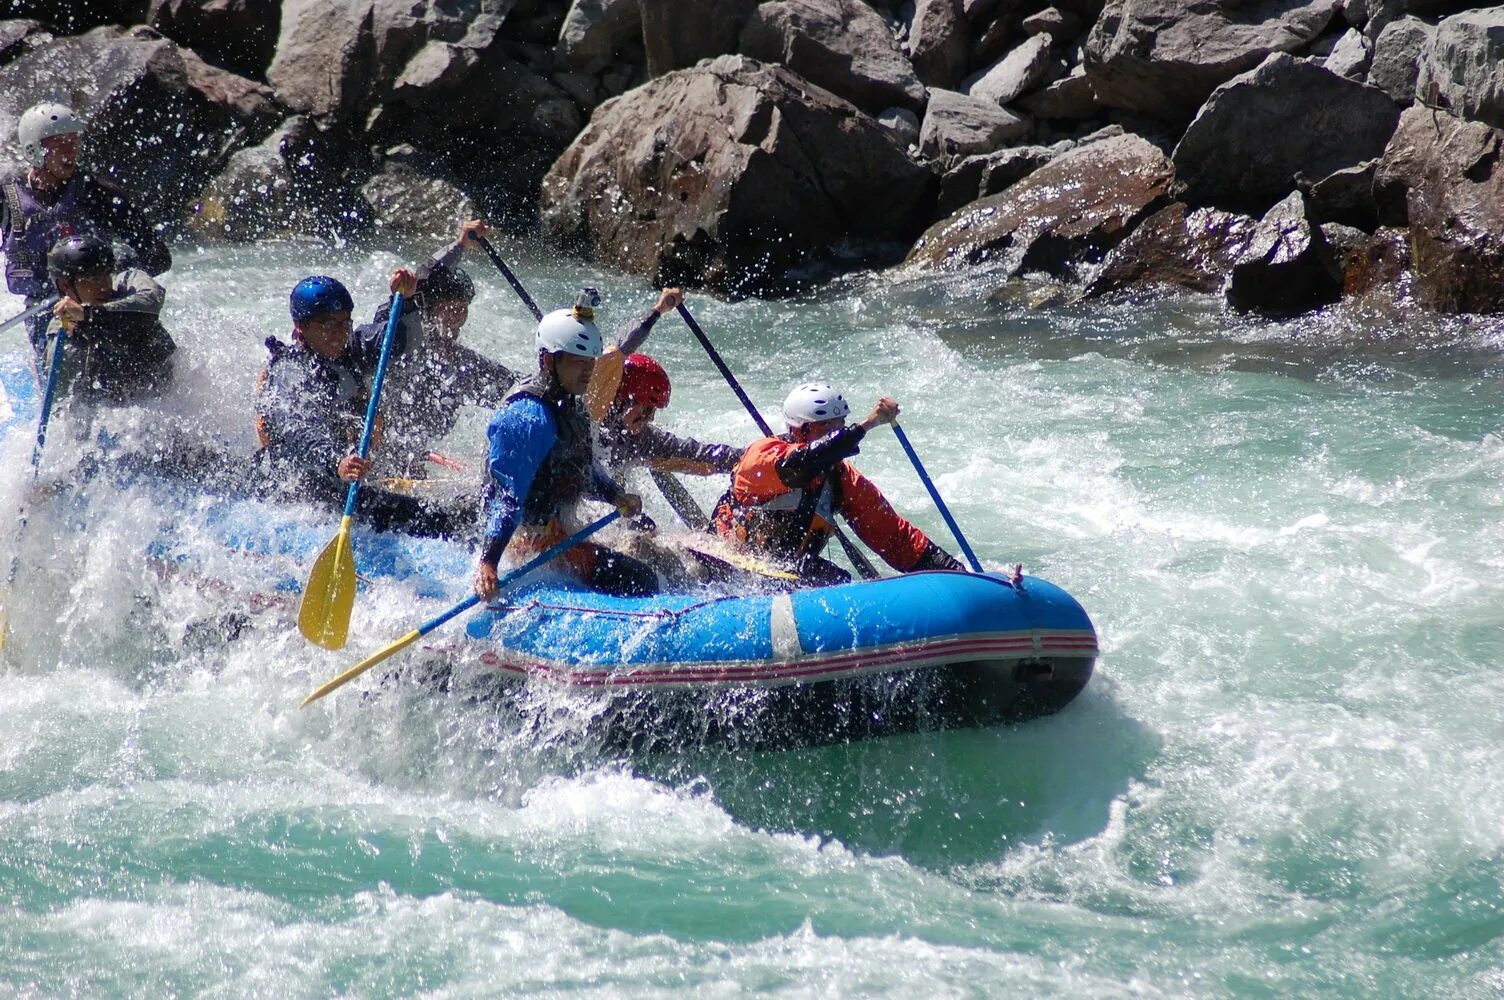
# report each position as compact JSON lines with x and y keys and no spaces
{"x":787,"y":490}
{"x":540,"y":464}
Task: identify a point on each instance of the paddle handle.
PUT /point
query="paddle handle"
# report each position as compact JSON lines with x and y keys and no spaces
{"x":394,"y":316}
{"x":506,"y":272}
{"x":924,"y":477}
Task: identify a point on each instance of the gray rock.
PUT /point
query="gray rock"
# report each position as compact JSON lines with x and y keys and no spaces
{"x":939,"y":42}
{"x":733,"y":174}
{"x":161,"y":121}
{"x":989,"y":173}
{"x":1397,"y":54}
{"x":1072,"y":97}
{"x":1164,"y":57}
{"x":841,"y":45}
{"x":1060,"y":25}
{"x":678,"y":34}
{"x":410,"y":203}
{"x":1287,"y":268}
{"x":1443,"y":177}
{"x":903,"y":123}
{"x":1020,"y":71}
{"x":1463,"y":67}
{"x":597,"y":33}
{"x":19,"y":37}
{"x":1069,"y":212}
{"x":1175,"y":247}
{"x":957,"y":125}
{"x":584,"y":88}
{"x":1346,"y":197}
{"x":240,"y":35}
{"x":1382,"y":13}
{"x":73,"y":17}
{"x":1350,"y":56}
{"x":1285,"y":119}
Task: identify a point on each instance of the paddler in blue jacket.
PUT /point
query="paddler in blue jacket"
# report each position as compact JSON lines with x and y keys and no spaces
{"x":540,"y":464}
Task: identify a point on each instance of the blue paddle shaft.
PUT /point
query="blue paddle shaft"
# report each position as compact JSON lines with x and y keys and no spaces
{"x":28,"y":312}
{"x":546,"y":556}
{"x":47,"y":397}
{"x":393,"y":318}
{"x":924,"y":477}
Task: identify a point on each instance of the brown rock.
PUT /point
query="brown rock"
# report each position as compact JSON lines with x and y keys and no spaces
{"x":1177,"y":247}
{"x":1462,"y":69}
{"x":989,"y":173}
{"x":1382,"y":263}
{"x":1287,"y":268}
{"x":411,"y":203}
{"x":1060,"y":25}
{"x":1071,"y":98}
{"x":1020,"y":71}
{"x":677,"y":33}
{"x":239,"y":35}
{"x":1070,"y":211}
{"x":1443,"y":176}
{"x":939,"y":42}
{"x":958,"y":125}
{"x":1346,"y":196}
{"x":733,"y":174}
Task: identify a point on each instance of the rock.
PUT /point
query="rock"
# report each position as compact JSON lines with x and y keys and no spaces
{"x":1020,"y":71}
{"x":73,"y":17}
{"x":1072,"y":98}
{"x":1164,"y":57}
{"x":677,"y":34}
{"x":597,"y":33}
{"x":321,"y":65}
{"x":1463,"y":67}
{"x":1442,"y":176}
{"x":1382,"y":13}
{"x":582,"y":87}
{"x":980,"y":11}
{"x":993,"y":43}
{"x":733,"y":174}
{"x":1070,"y":211}
{"x":20,"y":37}
{"x":958,"y":125}
{"x":416,"y":202}
{"x":1177,"y":247}
{"x":1351,"y":55}
{"x":1381,"y":263}
{"x":239,"y":35}
{"x":1060,"y":25}
{"x":840,"y":45}
{"x":298,"y":182}
{"x":939,"y":42}
{"x":1286,"y":118}
{"x":161,"y":122}
{"x":1287,"y":268}
{"x":904,"y":125}
{"x":1396,"y":57}
{"x":989,"y":173}
{"x":1345,"y":196}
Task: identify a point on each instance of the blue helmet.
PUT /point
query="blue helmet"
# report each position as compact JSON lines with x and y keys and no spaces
{"x":317,"y":295}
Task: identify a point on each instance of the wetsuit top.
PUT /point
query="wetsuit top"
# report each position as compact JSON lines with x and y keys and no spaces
{"x":32,"y":221}
{"x":783,"y":497}
{"x":539,"y":461}
{"x":662,"y":451}
{"x":119,"y":352}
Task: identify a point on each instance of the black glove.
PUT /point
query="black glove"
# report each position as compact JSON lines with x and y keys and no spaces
{"x":935,"y":557}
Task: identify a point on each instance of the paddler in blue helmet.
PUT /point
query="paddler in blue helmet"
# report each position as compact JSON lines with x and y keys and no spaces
{"x":540,"y":464}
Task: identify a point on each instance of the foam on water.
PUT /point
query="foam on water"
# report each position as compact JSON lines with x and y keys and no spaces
{"x":1281,"y":782}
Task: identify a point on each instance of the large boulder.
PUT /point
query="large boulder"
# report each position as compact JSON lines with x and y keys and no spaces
{"x":1443,"y":176}
{"x":678,"y":33}
{"x":1287,"y":267}
{"x":161,"y":121}
{"x":1072,"y":97}
{"x":412,"y":199}
{"x":1285,"y":120}
{"x":240,"y":35}
{"x":1397,"y":54}
{"x":1463,"y":67}
{"x":733,"y":174}
{"x":597,"y":33}
{"x":1177,"y":247}
{"x":1068,"y":212}
{"x":1020,"y":71}
{"x":841,"y":45}
{"x":956,"y":125}
{"x":1163,"y":57}
{"x":939,"y":42}
{"x":1379,"y":14}
{"x":989,"y":173}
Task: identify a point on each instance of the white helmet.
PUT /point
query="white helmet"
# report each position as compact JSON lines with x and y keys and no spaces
{"x":572,"y":331}
{"x":43,"y":122}
{"x":812,"y":402}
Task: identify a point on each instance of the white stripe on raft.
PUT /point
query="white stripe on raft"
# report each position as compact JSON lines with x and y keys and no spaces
{"x":784,"y":630}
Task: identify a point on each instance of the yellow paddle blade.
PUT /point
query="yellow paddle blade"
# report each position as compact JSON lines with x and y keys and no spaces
{"x":363,"y":666}
{"x":324,"y":615}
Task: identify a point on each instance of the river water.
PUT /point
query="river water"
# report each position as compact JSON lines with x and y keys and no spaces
{"x":1283,"y":780}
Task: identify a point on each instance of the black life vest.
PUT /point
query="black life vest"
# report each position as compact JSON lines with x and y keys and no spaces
{"x":565,"y":473}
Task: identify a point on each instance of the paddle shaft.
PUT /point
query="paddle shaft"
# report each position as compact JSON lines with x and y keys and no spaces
{"x":546,"y":556}
{"x":857,"y":556}
{"x":924,"y":477}
{"x":28,"y":312}
{"x":506,"y":272}
{"x":395,"y":317}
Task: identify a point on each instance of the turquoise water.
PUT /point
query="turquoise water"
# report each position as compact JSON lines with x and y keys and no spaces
{"x":1281,"y":782}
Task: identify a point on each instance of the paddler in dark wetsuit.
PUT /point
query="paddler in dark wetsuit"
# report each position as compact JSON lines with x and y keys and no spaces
{"x":311,"y":404}
{"x":541,"y":464}
{"x":787,"y":490}
{"x":52,"y":200}
{"x":116,"y":350}
{"x":434,"y":375}
{"x":630,"y":439}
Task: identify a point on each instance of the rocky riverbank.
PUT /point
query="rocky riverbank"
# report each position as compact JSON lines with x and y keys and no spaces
{"x":1285,"y":153}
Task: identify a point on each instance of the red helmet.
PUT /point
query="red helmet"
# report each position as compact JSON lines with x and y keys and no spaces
{"x":644,"y":381}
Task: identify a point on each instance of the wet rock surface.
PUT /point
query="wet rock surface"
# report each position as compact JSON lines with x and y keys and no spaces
{"x":1287,"y":266}
{"x":1177,"y":247}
